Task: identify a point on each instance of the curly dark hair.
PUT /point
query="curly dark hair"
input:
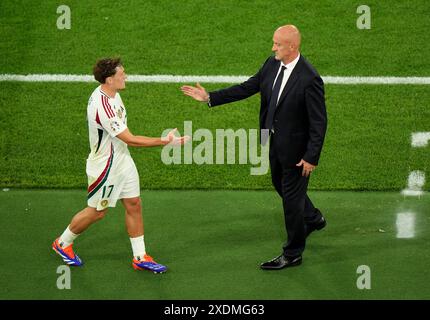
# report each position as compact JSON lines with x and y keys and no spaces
{"x":106,"y":67}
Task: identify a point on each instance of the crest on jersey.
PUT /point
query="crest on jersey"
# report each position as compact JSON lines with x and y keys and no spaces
{"x":104,"y":203}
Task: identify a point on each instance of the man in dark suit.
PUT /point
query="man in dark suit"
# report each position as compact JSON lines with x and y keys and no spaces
{"x":293,"y":112}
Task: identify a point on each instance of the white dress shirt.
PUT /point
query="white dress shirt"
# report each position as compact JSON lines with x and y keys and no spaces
{"x":287,"y":72}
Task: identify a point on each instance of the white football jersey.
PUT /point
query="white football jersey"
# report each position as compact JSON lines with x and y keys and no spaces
{"x":109,"y":155}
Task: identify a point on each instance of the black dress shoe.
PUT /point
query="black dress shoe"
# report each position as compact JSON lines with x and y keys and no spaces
{"x":281,"y":262}
{"x":309,"y":228}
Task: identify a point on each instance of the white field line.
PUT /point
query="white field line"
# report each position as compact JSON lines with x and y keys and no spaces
{"x":405,"y":224}
{"x":416,"y":181}
{"x":417,"y":178}
{"x":420,"y":139}
{"x":205,"y":79}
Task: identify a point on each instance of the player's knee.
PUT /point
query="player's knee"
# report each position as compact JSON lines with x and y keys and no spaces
{"x":134,"y":206}
{"x":134,"y":203}
{"x":100,"y":214}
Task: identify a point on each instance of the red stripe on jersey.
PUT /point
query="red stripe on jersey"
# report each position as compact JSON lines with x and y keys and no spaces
{"x":103,"y":104}
{"x":109,"y":107}
{"x":97,"y":118}
{"x":108,"y":112}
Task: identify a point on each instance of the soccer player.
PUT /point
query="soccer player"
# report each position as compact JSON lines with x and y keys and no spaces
{"x":111,"y":171}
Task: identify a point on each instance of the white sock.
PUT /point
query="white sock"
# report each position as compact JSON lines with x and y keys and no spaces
{"x":67,"y":237}
{"x":138,"y":247}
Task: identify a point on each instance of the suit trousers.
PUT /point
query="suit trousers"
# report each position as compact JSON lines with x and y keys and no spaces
{"x":298,"y":208}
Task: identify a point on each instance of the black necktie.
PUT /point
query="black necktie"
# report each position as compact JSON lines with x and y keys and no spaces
{"x":274,"y":100}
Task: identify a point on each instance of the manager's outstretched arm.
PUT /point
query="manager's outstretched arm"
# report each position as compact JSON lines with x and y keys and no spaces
{"x":227,"y":95}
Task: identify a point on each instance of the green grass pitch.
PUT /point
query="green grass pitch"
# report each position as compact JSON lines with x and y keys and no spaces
{"x":368,"y":142}
{"x":213,"y":244}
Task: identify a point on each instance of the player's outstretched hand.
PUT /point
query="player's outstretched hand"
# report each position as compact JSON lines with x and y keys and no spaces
{"x":171,"y":138}
{"x":197,"y":93}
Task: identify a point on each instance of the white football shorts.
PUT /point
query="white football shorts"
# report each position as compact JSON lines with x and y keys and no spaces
{"x":111,"y":187}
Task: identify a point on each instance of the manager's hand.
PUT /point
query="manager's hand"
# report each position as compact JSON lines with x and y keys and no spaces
{"x":197,"y":93}
{"x":307,"y":167}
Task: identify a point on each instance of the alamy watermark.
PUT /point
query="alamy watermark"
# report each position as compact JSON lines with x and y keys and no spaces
{"x":364,"y":20}
{"x":64,"y":21}
{"x":364,"y":281}
{"x":64,"y":281}
{"x":226,"y":146}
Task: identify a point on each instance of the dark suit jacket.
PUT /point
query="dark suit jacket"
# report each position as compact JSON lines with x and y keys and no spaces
{"x":300,"y":120}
